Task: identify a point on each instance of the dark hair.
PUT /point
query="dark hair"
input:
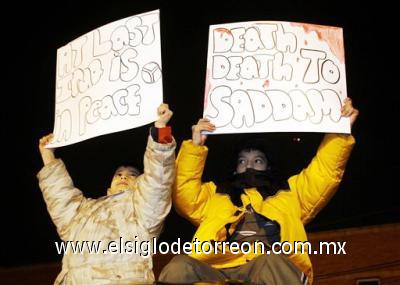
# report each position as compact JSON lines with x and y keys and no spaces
{"x":134,"y":170}
{"x":247,"y":143}
{"x":274,"y":181}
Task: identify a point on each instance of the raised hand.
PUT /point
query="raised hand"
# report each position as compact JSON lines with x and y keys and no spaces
{"x":46,"y":153}
{"x":164,"y":115}
{"x":349,"y":111}
{"x":203,"y":124}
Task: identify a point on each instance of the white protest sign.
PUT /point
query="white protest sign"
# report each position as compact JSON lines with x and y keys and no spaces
{"x":275,"y":77}
{"x":108,"y":80}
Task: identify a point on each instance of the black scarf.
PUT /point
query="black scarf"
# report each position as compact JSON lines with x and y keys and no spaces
{"x":267,"y":183}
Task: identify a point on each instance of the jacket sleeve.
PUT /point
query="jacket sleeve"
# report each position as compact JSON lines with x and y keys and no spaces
{"x":190,"y":195}
{"x":63,"y":200}
{"x":152,"y":200}
{"x":316,"y":184}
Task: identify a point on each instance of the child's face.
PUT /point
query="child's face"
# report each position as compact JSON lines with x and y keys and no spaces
{"x":251,"y":158}
{"x":124,"y":179}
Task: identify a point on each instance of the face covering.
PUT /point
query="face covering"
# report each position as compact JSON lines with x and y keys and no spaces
{"x":251,"y":178}
{"x":265,"y":181}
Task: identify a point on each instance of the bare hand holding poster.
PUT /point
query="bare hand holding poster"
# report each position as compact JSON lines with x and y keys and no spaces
{"x":108,"y":80}
{"x":275,"y":77}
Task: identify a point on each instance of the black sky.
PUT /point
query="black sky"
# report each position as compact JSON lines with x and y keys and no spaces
{"x":366,"y":196}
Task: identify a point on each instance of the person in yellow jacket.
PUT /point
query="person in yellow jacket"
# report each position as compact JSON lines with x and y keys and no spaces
{"x":256,"y":207}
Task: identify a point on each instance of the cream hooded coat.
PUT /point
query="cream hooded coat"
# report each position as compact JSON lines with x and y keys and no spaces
{"x":129,"y":216}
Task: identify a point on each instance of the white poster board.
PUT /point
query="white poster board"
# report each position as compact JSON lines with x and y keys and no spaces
{"x":275,"y":77}
{"x":108,"y":80}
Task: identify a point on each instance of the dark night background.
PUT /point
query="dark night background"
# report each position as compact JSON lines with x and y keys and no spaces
{"x":30,"y":41}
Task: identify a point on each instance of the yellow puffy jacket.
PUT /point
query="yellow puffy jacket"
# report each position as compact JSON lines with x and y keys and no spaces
{"x":214,"y":213}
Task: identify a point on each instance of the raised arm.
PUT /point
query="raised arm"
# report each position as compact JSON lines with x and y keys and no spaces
{"x":317,"y":183}
{"x":190,"y":195}
{"x":152,"y":199}
{"x":62,"y":198}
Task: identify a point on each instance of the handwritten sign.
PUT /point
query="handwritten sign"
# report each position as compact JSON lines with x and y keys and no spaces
{"x":108,"y":80}
{"x":275,"y":77}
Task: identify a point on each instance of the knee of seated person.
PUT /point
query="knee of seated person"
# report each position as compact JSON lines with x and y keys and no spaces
{"x":180,"y":260}
{"x":178,"y":263}
{"x":177,"y":269}
{"x":270,"y":258}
